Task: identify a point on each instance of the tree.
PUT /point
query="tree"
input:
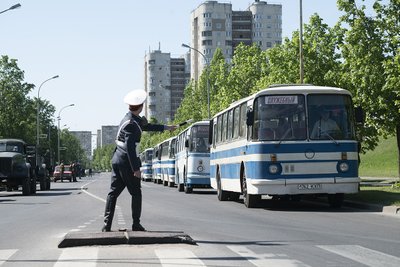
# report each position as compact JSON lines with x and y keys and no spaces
{"x":15,"y":105}
{"x":371,"y":66}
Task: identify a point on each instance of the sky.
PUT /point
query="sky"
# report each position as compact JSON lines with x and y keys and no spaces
{"x":97,"y":47}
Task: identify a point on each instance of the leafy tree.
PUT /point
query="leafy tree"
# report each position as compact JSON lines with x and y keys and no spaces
{"x":102,"y":157}
{"x":73,"y":151}
{"x":15,"y":121}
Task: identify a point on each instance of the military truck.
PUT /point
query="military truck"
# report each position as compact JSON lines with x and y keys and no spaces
{"x":17,"y":167}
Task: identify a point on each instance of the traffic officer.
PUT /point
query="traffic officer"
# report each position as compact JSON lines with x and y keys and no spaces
{"x":125,"y":161}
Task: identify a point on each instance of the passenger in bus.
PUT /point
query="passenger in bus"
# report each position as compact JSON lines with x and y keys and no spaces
{"x":325,"y":126}
{"x":201,"y":145}
{"x":283,"y":129}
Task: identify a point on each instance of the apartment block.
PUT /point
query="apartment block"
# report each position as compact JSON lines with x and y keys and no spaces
{"x":85,"y":140}
{"x":108,"y":135}
{"x":216,"y":25}
{"x":165,"y":81}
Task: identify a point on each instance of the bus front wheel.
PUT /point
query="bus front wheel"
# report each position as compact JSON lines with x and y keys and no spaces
{"x":221,"y":194}
{"x":249,"y":200}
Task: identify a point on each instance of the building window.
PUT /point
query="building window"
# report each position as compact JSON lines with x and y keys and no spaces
{"x":152,"y":62}
{"x":207,"y":15}
{"x":206,"y":33}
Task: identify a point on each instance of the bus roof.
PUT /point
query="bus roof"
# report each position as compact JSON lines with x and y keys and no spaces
{"x":289,"y":89}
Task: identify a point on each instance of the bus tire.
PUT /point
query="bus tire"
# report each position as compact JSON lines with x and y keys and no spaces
{"x":335,"y":200}
{"x":221,"y":194}
{"x":249,"y":200}
{"x":180,"y":187}
{"x":187,"y":189}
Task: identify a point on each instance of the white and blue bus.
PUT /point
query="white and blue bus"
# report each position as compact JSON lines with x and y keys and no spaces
{"x":146,"y":157}
{"x":156,"y":164}
{"x":277,"y":142}
{"x":192,"y":157}
{"x":167,"y":161}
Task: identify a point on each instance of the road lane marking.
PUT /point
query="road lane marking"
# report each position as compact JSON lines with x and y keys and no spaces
{"x":266,"y":259}
{"x":364,"y":255}
{"x":5,"y":254}
{"x":78,"y":257}
{"x":90,"y":194}
{"x":177,"y":257}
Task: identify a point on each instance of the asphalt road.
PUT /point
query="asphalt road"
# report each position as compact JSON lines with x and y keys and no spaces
{"x":227,"y":234}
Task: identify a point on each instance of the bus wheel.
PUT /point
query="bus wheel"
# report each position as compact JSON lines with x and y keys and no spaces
{"x":250,"y":201}
{"x":335,"y":200}
{"x":187,"y":189}
{"x":221,"y":194}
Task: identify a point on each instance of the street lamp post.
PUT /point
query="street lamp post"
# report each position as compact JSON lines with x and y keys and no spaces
{"x":58,"y":133}
{"x":37,"y":119}
{"x":11,"y":8}
{"x":208,"y":82}
{"x":301,"y":43}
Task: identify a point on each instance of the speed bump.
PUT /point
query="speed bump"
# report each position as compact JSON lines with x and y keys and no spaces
{"x":75,"y":239}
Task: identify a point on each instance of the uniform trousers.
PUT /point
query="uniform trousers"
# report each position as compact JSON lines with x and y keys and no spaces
{"x":122,"y":176}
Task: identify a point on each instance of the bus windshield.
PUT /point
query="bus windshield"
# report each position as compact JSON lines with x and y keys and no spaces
{"x":330,"y":117}
{"x":199,"y":139}
{"x":279,"y":117}
{"x":148,"y":155}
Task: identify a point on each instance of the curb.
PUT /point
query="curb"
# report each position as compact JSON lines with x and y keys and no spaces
{"x":392,"y":210}
{"x":75,"y":239}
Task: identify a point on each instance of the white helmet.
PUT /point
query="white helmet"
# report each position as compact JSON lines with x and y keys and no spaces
{"x":135,"y":97}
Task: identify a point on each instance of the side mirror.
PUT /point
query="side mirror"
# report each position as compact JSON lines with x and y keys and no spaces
{"x":210,"y":132}
{"x":359,"y":114}
{"x":250,"y":118}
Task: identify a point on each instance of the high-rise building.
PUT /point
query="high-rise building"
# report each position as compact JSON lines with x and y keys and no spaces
{"x":215,"y":25}
{"x":165,"y":81}
{"x":108,"y":135}
{"x":85,"y":140}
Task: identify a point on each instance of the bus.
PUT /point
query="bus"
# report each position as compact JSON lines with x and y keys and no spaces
{"x":276,"y":142}
{"x":192,"y":159}
{"x":167,"y":160}
{"x":146,"y":157}
{"x":156,"y":164}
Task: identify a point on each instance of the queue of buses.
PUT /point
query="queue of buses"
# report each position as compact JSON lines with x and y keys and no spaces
{"x":284,"y":141}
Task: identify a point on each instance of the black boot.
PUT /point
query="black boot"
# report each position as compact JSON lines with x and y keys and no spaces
{"x":109,"y":213}
{"x":137,"y":227}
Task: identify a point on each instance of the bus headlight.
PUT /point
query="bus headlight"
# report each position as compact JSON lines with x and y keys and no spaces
{"x":344,"y":167}
{"x":200,"y":169}
{"x":273,"y":169}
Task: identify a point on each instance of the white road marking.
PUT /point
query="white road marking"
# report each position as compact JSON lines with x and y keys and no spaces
{"x":90,"y":194}
{"x":266,"y":259}
{"x":78,"y":257}
{"x":5,"y":254}
{"x":177,"y":257}
{"x":363,"y":255}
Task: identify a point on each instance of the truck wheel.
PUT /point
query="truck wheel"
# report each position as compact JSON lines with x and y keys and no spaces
{"x":26,"y":186}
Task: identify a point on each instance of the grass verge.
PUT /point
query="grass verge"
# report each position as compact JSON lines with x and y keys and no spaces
{"x":381,"y":195}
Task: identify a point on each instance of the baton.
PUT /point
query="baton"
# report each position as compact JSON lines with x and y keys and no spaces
{"x":185,"y":122}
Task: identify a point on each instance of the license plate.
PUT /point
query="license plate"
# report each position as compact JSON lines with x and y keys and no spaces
{"x":309,"y":186}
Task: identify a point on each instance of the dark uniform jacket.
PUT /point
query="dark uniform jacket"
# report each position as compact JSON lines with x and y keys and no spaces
{"x":128,"y":138}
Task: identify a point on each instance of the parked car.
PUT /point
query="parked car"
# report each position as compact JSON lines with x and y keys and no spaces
{"x":67,"y":175}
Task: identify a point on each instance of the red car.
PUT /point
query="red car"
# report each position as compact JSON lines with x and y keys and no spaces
{"x":67,"y":175}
